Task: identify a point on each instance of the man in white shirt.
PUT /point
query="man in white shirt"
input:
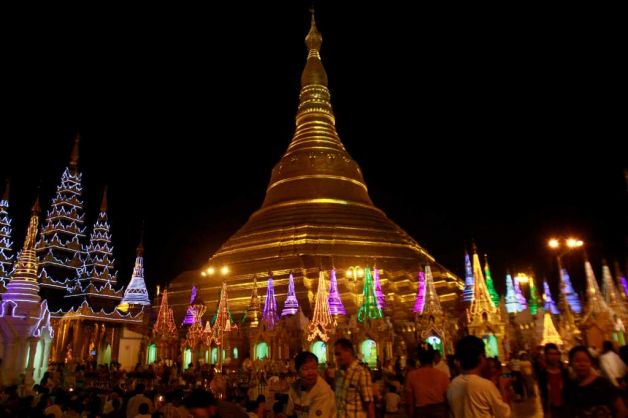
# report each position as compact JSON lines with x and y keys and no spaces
{"x":310,"y":396}
{"x":611,"y":365}
{"x":470,"y":395}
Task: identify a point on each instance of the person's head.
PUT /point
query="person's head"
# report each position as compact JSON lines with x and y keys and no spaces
{"x":306,"y":364}
{"x":251,"y":406}
{"x":552,"y":354}
{"x":344,"y":352}
{"x":470,"y":353}
{"x":139,"y":388}
{"x":411,"y":363}
{"x":581,"y":361}
{"x":426,"y":358}
{"x":143,"y":409}
{"x":493,"y":366}
{"x":608,"y":346}
{"x":201,"y":404}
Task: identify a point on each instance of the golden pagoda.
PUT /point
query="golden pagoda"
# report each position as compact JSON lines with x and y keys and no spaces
{"x":317,"y":212}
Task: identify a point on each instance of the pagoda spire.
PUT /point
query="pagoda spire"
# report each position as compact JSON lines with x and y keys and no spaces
{"x":291,"y":305}
{"x":23,"y":289}
{"x":165,"y":326}
{"x":6,"y":245}
{"x":595,"y":301}
{"x":379,"y":295}
{"x":99,"y":267}
{"x":74,"y":156}
{"x":468,"y":281}
{"x":611,"y":295}
{"x":224,"y":323}
{"x":60,"y":248}
{"x":368,"y":309}
{"x":336,"y":307}
{"x":136,"y":293}
{"x":254,"y":312}
{"x":321,"y":318}
{"x":420,"y":294}
{"x":521,"y":300}
{"x":534,"y":297}
{"x":482,"y":302}
{"x":432,"y":302}
{"x":512,"y":304}
{"x":550,"y":335}
{"x":622,"y":284}
{"x":549,"y":305}
{"x":570,"y":295}
{"x":269,"y":314}
{"x":489,"y":282}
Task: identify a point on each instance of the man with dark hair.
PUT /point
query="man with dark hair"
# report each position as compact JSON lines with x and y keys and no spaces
{"x":310,"y":396}
{"x":133,"y":406}
{"x":202,"y":404}
{"x":552,"y":379}
{"x":469,"y":394}
{"x":354,"y":393}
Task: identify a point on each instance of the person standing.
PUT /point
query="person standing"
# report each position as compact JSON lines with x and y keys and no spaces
{"x":354,"y":394}
{"x":470,"y":395}
{"x":552,"y":379}
{"x":426,"y":389}
{"x":310,"y":396}
{"x":611,"y":365}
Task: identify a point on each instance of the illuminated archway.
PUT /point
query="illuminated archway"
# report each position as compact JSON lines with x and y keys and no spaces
{"x":235,"y":353}
{"x":214,"y":355}
{"x":261,"y":351}
{"x":436,"y":343}
{"x":368,"y":348}
{"x":319,"y":348}
{"x":490,"y":346}
{"x":151,"y":354}
{"x":187,"y":358}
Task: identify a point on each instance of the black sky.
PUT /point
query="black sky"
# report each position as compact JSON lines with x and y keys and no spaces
{"x":505,"y":128}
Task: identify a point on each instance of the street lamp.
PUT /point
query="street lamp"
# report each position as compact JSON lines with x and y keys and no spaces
{"x":354,"y":272}
{"x":567,"y":245}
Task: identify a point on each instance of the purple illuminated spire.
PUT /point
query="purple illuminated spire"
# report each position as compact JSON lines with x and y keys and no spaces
{"x":570,"y":294}
{"x":523,"y":303}
{"x":291,"y":305}
{"x":335,"y":303}
{"x":381,"y":300}
{"x":468,"y":281}
{"x":269,"y":315}
{"x":189,"y":315}
{"x":420,"y":294}
{"x":550,"y":305}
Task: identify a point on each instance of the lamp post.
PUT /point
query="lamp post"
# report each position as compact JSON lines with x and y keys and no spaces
{"x":355,"y":272}
{"x":563,"y":247}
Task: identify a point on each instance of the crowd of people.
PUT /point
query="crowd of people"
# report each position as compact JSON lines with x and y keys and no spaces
{"x":467,"y":385}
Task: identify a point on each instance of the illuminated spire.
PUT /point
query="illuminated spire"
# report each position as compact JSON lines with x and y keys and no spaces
{"x":432,"y":302}
{"x":550,"y":335}
{"x":420,"y":294}
{"x":335,"y":302}
{"x":6,"y":245}
{"x":321,"y":318}
{"x":379,"y":295}
{"x":482,"y":302}
{"x":595,"y":301}
{"x":254,"y":312}
{"x":23,"y":289}
{"x":270,"y":305}
{"x":549,"y":305}
{"x":512,"y":304}
{"x":224,"y":323}
{"x":165,"y":326}
{"x":189,"y":315}
{"x":570,"y":295}
{"x":521,"y":300}
{"x":622,"y":284}
{"x":468,"y":282}
{"x":611,"y":295}
{"x":368,"y":309}
{"x":291,"y":305}
{"x":534,"y":297}
{"x":136,"y":293}
{"x":489,"y":282}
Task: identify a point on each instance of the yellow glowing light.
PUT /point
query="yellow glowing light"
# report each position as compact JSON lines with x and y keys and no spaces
{"x":224,"y":270}
{"x":553,"y":243}
{"x":579,"y":243}
{"x":571,"y":242}
{"x":211,"y":271}
{"x":522,"y":278}
{"x":203,"y":274}
{"x":348,"y":273}
{"x":360,"y":272}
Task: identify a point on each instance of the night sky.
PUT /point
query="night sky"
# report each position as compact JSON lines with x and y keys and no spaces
{"x":465,"y":126}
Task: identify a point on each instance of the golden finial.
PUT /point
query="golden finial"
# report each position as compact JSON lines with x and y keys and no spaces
{"x":74,"y":157}
{"x":31,"y":233}
{"x":7,"y":186}
{"x":140,"y":248}
{"x":103,"y":203}
{"x":313,"y":40}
